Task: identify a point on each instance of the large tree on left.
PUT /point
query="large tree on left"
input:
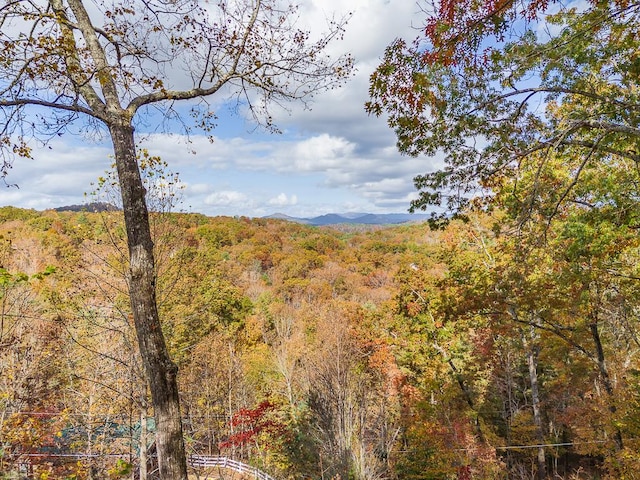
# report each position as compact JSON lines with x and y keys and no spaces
{"x":103,"y":63}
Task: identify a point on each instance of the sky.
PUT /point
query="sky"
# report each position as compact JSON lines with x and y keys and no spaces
{"x":333,"y":158}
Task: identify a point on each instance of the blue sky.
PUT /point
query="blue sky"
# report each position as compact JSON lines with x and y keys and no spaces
{"x":332,"y":158}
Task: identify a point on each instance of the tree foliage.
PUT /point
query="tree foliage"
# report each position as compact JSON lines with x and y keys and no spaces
{"x":502,"y":113}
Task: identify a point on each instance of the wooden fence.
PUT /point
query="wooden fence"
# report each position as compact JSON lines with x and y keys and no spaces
{"x":208,"y":461}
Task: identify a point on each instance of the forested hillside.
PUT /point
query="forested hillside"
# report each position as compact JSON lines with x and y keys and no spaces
{"x":528,"y":110}
{"x":315,"y":353}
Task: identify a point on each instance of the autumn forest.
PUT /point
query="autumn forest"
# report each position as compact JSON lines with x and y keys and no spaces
{"x":497,"y":341}
{"x":399,"y":352}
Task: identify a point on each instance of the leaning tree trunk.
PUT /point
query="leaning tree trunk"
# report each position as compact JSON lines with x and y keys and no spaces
{"x":160,"y":370}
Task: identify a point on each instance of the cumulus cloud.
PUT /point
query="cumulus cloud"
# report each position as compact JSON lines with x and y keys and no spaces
{"x":374,"y":24}
{"x":59,"y":175}
{"x":225,"y":198}
{"x":283,"y":200}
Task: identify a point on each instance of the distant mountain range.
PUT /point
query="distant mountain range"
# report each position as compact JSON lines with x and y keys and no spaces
{"x":352,"y":218}
{"x":356,"y":218}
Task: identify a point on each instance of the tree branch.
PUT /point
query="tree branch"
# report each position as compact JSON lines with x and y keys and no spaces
{"x":164,"y":95}
{"x":97,"y":54}
{"x":573,"y":182}
{"x":44,"y":103}
{"x":609,"y":127}
{"x":73,"y":62}
{"x":556,"y":90}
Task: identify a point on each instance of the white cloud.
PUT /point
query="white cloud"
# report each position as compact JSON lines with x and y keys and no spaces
{"x":225,"y":198}
{"x":282,"y":200}
{"x":319,"y":153}
{"x":198,"y":188}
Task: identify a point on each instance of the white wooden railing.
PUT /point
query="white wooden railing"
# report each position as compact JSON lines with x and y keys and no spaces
{"x":208,"y":461}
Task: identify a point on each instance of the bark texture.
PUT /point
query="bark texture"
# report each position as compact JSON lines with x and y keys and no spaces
{"x":160,"y":370}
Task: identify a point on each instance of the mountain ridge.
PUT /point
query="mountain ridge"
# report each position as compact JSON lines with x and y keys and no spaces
{"x":355,"y":218}
{"x":352,"y":218}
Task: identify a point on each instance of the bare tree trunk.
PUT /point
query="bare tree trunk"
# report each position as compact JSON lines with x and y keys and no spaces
{"x":161,"y":372}
{"x":606,"y":380}
{"x":532,"y":361}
